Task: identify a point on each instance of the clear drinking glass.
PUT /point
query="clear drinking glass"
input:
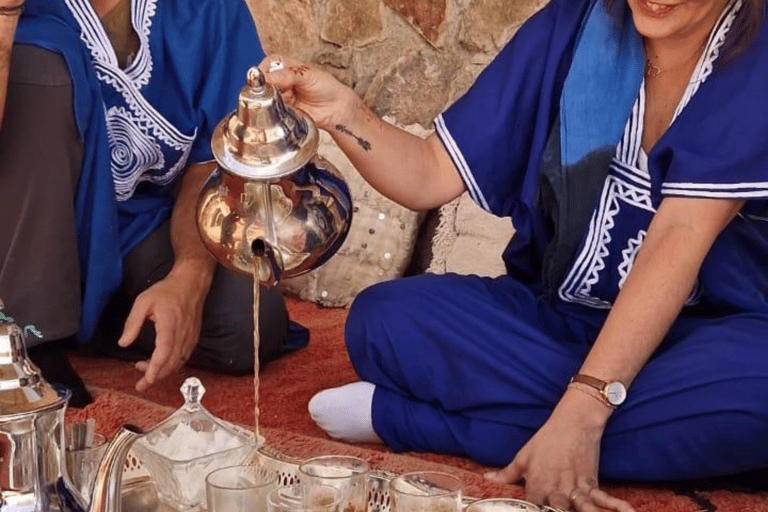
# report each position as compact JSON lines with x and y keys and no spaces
{"x":346,"y":473}
{"x":502,"y":505}
{"x":82,"y":463}
{"x":239,"y":489}
{"x":426,"y":491}
{"x":304,"y":498}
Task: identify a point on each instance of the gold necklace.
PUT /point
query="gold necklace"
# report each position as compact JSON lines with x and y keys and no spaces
{"x":653,"y":70}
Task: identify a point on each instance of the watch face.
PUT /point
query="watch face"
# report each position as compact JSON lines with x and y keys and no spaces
{"x":615,"y":392}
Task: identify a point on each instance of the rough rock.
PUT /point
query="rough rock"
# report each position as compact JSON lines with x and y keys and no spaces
{"x":415,"y":89}
{"x":356,"y":23}
{"x":289,"y":27}
{"x":427,"y":16}
{"x":488,"y":24}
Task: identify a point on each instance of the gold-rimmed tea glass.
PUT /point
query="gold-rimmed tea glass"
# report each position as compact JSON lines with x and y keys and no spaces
{"x":426,"y":491}
{"x":346,"y":473}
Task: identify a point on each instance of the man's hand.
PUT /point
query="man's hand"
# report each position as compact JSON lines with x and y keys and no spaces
{"x":175,"y":305}
{"x":560,"y":462}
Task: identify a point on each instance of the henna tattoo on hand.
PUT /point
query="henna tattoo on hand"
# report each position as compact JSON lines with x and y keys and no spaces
{"x":300,"y":70}
{"x":360,"y":141}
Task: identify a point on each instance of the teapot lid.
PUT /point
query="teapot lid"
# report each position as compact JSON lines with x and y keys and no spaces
{"x":22,"y":387}
{"x":264,"y":138}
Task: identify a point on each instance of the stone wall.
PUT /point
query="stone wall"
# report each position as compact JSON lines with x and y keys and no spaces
{"x":408,"y":59}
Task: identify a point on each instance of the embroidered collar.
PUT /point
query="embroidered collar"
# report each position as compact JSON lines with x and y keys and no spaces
{"x":97,"y":41}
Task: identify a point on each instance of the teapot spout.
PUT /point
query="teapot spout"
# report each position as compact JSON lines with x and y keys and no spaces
{"x":263,"y":253}
{"x":106,"y":489}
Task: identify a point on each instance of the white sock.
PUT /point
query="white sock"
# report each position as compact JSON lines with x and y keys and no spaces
{"x":345,"y":412}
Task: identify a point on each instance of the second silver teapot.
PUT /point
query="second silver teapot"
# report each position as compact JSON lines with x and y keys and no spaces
{"x":271,"y":196}
{"x":33,"y":477}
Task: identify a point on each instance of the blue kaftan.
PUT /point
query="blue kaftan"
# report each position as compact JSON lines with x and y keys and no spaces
{"x":142,"y":125}
{"x":473,"y":366}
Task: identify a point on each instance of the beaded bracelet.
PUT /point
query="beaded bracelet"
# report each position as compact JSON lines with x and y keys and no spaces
{"x":12,"y":10}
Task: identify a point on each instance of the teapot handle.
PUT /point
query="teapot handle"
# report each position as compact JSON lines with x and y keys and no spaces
{"x":106,"y":488}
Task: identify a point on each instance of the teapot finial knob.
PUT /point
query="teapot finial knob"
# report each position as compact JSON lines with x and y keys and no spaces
{"x":255,"y":78}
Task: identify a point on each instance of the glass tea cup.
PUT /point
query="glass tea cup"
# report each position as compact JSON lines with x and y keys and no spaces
{"x":346,"y":473}
{"x":426,"y":491}
{"x":83,"y":463}
{"x":502,"y":505}
{"x":239,"y":488}
{"x":304,"y":498}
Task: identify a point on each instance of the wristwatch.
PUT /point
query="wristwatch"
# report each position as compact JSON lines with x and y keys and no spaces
{"x":614,"y":391}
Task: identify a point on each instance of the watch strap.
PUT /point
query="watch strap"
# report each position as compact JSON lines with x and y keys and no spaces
{"x":590,"y":381}
{"x":591,"y":391}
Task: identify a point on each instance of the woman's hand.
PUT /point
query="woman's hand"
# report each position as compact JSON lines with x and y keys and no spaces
{"x":414,"y":172}
{"x":560,"y":462}
{"x":327,"y":101}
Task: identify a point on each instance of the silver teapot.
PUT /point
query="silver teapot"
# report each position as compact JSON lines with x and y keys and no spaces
{"x":33,"y":476}
{"x":272,"y":198}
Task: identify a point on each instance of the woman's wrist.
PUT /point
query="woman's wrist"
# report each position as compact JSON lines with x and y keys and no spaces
{"x":588,"y":410}
{"x":349,"y":112}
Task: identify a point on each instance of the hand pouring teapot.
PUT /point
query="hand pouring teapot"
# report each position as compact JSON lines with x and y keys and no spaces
{"x":32,"y":468}
{"x":271,"y":198}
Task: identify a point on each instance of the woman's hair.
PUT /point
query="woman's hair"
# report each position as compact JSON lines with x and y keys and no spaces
{"x":744,"y":30}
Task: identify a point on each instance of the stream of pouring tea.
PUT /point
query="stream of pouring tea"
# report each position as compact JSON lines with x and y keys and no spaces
{"x":256,"y":297}
{"x":266,"y":201}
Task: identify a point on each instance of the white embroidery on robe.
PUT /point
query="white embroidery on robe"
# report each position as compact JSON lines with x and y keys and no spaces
{"x":627,"y":185}
{"x":133,"y":152}
{"x":628,"y":255}
{"x":585,"y":272}
{"x":141,"y":120}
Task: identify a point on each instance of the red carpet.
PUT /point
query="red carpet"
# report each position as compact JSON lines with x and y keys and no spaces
{"x":289,"y":383}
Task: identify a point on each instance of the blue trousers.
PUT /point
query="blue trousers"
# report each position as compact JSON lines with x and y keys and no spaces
{"x":473,"y":366}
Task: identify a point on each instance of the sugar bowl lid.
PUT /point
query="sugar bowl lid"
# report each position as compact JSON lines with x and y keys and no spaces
{"x":22,"y":387}
{"x":264,"y":138}
{"x":192,"y":431}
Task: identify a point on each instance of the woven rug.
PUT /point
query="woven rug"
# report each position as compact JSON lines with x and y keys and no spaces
{"x":286,"y":387}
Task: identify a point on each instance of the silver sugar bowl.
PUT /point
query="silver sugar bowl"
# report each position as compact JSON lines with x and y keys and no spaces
{"x":272,"y":198}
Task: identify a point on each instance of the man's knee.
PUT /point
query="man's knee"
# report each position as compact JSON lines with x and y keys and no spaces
{"x":40,"y":107}
{"x":39,"y":113}
{"x":227,"y":343}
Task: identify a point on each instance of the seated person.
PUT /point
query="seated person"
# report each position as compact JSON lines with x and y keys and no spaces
{"x":627,"y":142}
{"x":103,"y":149}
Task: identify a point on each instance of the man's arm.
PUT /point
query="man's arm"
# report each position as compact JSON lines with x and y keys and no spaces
{"x":190,"y":253}
{"x":9,"y":18}
{"x":175,"y":304}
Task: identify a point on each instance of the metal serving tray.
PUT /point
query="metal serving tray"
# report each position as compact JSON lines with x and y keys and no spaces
{"x":139,"y":493}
